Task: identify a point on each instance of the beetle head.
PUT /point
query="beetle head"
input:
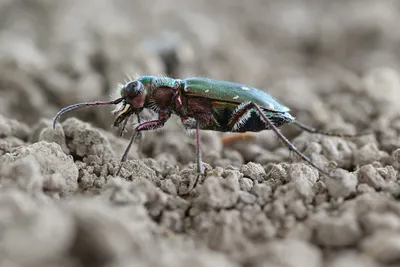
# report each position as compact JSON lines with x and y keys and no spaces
{"x":133,"y":94}
{"x":133,"y":99}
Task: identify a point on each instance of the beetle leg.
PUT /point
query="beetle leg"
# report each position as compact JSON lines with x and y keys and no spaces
{"x":247,"y":107}
{"x":198,"y":150}
{"x":139,"y":121}
{"x":144,"y":126}
{"x":241,"y":114}
{"x":200,"y":170}
{"x":121,"y":129}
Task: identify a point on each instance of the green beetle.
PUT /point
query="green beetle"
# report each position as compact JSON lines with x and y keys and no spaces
{"x":202,"y":104}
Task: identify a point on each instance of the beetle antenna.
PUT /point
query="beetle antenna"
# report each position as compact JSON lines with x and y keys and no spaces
{"x":310,"y":129}
{"x":81,"y":105}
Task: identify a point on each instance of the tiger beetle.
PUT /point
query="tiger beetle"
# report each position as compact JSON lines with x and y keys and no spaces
{"x":201,"y":104}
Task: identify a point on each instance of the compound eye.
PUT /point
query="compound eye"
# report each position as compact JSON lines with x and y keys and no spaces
{"x":132,"y":89}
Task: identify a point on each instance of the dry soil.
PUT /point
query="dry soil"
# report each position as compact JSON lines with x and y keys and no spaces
{"x":334,"y":63}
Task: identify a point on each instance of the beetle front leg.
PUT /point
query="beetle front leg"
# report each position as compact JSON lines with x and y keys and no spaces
{"x":145,"y":126}
{"x":241,"y":114}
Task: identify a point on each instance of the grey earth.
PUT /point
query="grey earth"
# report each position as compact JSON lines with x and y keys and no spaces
{"x":334,"y":63}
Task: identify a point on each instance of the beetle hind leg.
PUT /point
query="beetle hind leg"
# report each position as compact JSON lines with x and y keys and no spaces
{"x":240,"y":116}
{"x":250,"y":106}
{"x":245,"y":118}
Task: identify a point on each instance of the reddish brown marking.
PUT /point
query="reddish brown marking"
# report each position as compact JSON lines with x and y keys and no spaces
{"x":178,"y":103}
{"x":137,"y":102}
{"x":162,"y":97}
{"x":198,"y":106}
{"x":218,"y":104}
{"x":206,"y":120}
{"x":184,"y":118}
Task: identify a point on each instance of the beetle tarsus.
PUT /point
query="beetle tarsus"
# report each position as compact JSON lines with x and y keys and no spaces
{"x":198,"y":176}
{"x":200,"y":170}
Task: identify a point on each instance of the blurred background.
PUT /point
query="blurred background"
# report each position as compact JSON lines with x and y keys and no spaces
{"x":334,"y":63}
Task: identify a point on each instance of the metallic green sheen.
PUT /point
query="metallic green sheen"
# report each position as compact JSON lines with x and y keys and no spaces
{"x":146,"y":79}
{"x":156,"y":82}
{"x":231,"y":92}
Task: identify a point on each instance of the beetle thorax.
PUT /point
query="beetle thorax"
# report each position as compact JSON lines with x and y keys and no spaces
{"x":161,"y":93}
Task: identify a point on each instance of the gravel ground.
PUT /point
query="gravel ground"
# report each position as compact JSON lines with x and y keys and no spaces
{"x":335,"y":63}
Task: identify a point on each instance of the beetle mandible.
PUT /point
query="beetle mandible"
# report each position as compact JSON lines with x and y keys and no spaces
{"x":202,"y":104}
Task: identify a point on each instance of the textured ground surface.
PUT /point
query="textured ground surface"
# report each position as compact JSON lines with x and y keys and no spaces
{"x":335,"y":63}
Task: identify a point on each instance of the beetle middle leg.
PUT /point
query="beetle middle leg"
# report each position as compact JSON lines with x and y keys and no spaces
{"x":242,"y":114}
{"x":200,"y":170}
{"x":191,"y":123}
